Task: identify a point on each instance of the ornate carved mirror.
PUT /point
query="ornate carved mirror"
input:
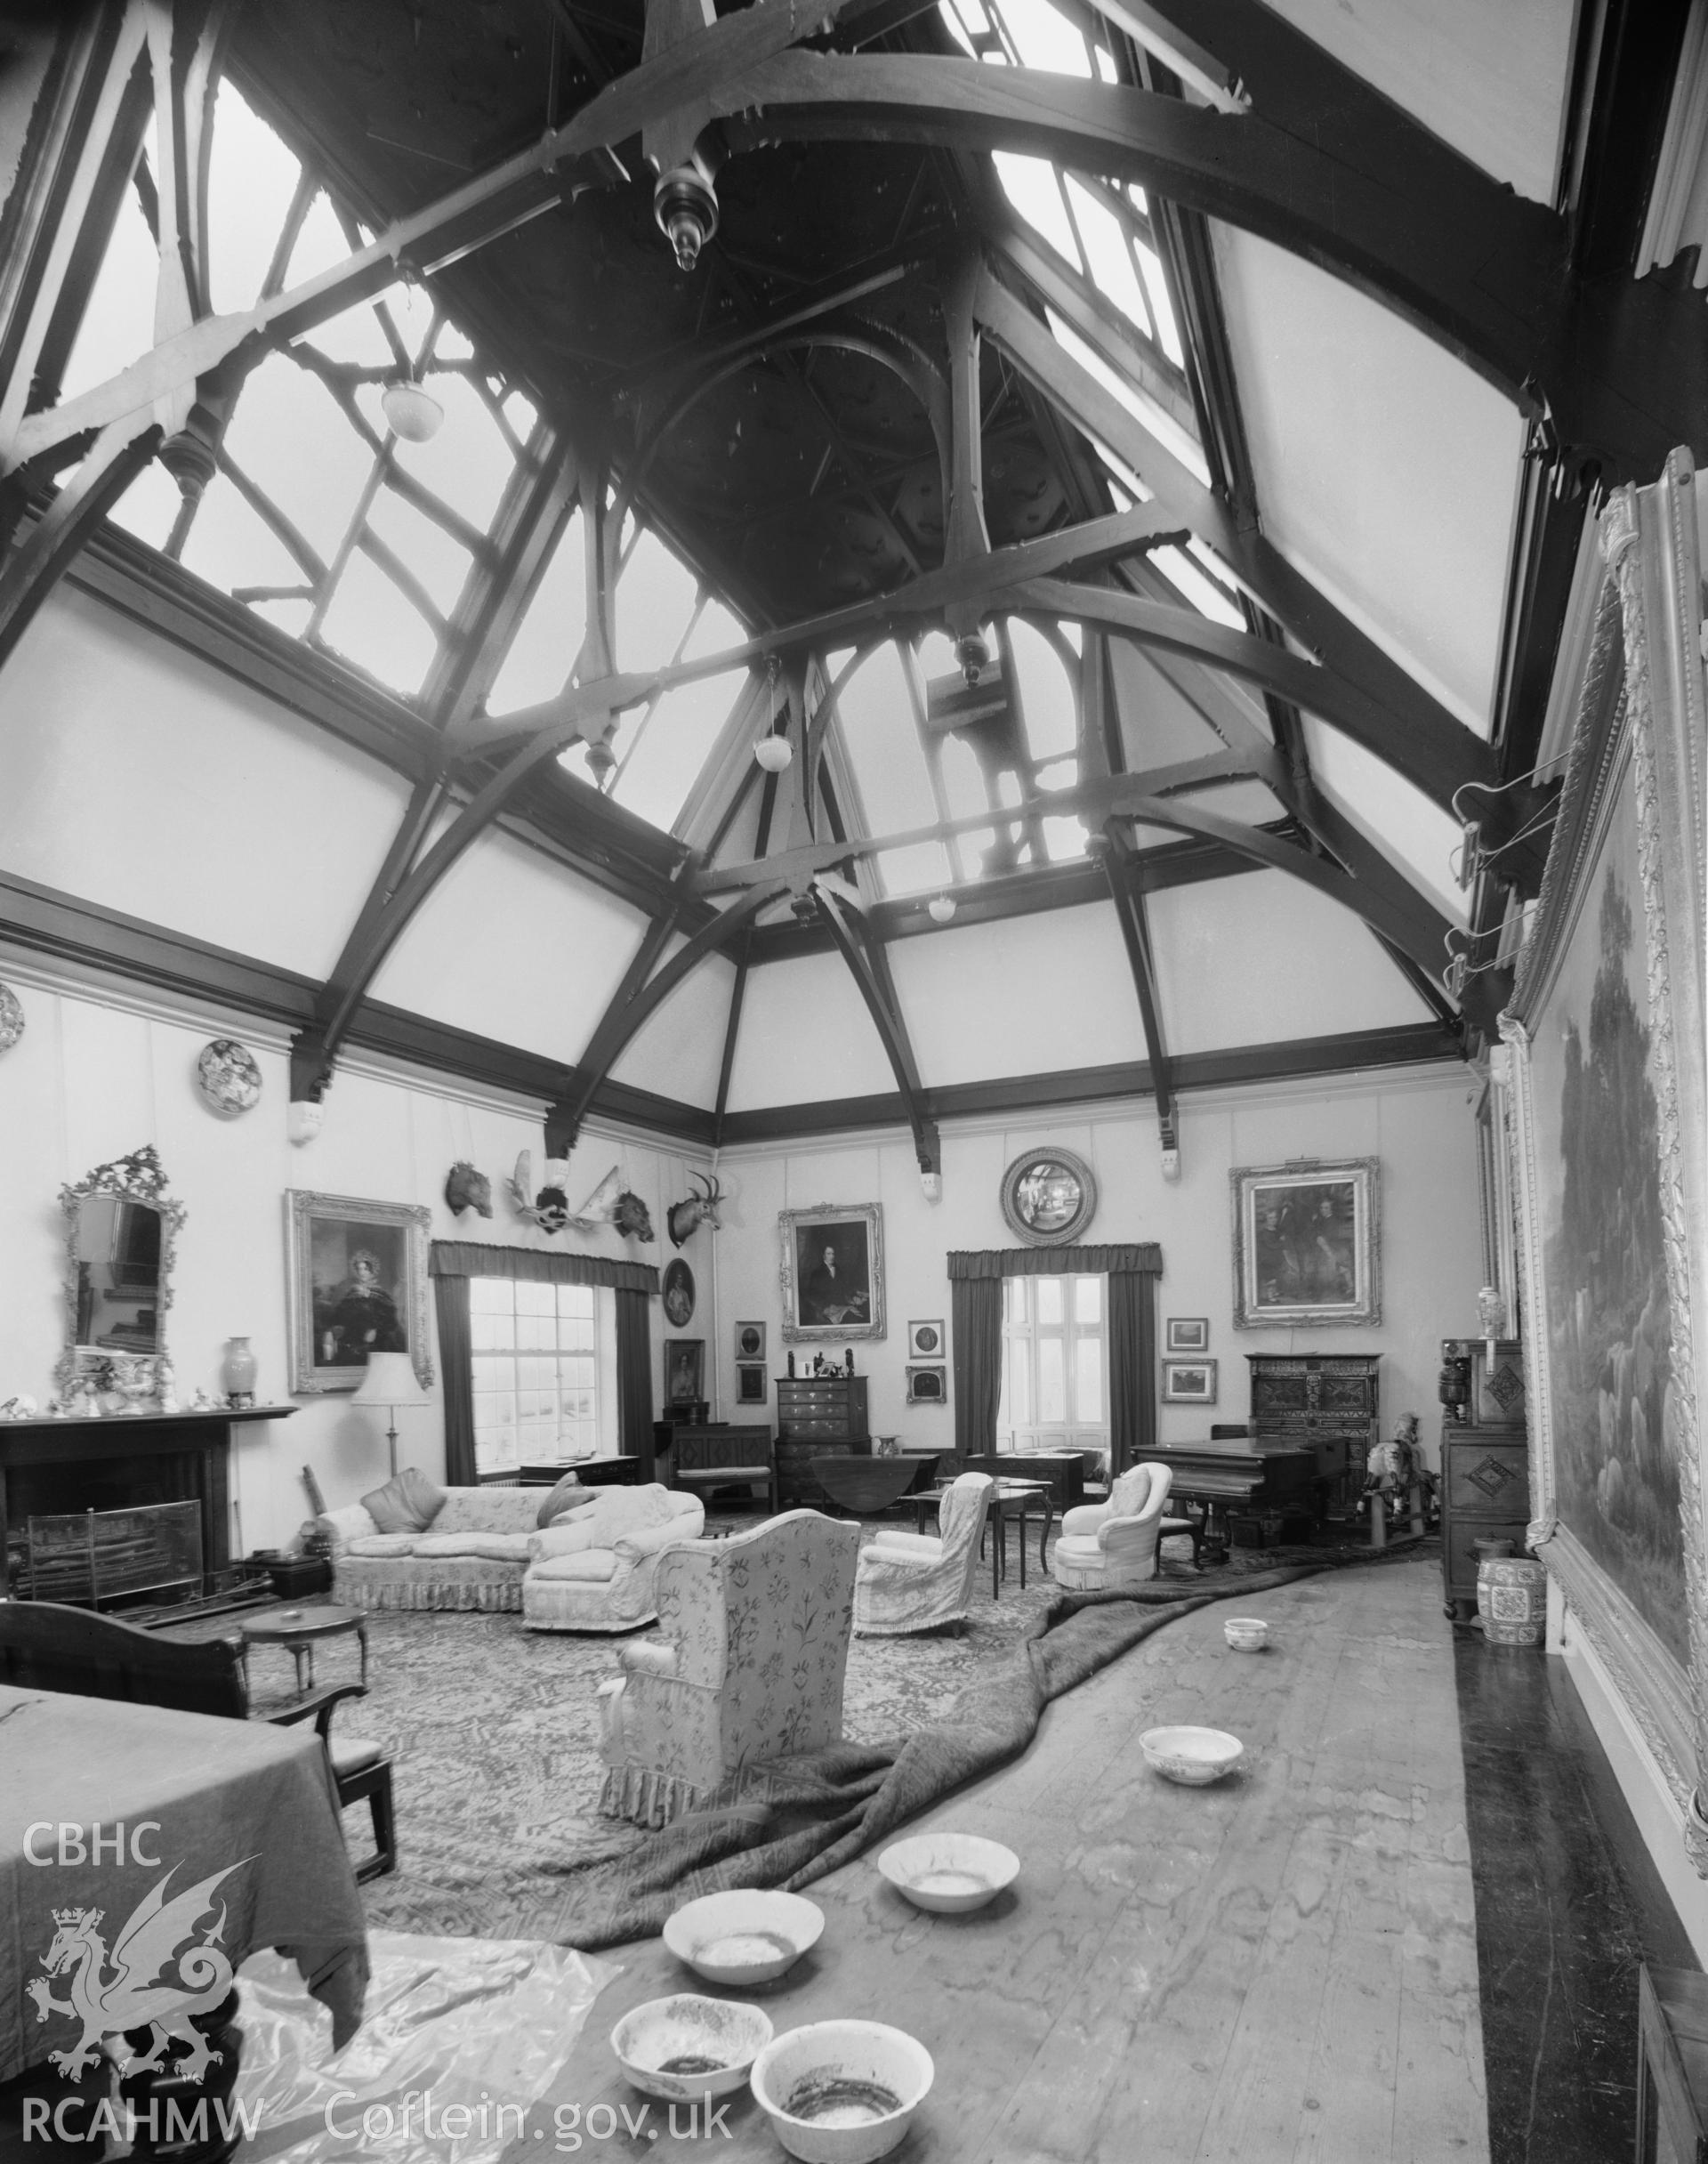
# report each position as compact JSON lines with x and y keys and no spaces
{"x":121,"y":1228}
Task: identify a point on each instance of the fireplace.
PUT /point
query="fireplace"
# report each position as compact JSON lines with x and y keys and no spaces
{"x":50,"y":1468}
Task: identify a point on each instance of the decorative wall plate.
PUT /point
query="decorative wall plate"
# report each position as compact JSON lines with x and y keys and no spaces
{"x":226,"y":1076}
{"x":1048,"y":1196}
{"x":12,"y":1018}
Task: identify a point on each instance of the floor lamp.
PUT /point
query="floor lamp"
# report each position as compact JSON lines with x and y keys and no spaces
{"x":391,"y":1383}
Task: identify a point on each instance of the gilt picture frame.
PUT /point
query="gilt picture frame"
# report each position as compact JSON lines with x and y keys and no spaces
{"x":1189,"y":1382}
{"x":832,"y":1274}
{"x":356,"y":1283}
{"x":1307,"y":1243}
{"x":1604,"y":1068}
{"x":1189,"y":1334}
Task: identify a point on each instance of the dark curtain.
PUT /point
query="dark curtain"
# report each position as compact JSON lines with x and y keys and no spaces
{"x":975,"y":1296}
{"x":634,"y":1376}
{"x":452,"y":1297}
{"x":1132,"y":1367}
{"x":976,"y":1312}
{"x":452,"y":1262}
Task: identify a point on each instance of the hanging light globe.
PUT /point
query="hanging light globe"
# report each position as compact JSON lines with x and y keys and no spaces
{"x":410,"y":411}
{"x":940,"y":908}
{"x":774,"y":753}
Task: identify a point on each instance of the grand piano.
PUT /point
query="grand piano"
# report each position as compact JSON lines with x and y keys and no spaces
{"x":1248,"y":1474}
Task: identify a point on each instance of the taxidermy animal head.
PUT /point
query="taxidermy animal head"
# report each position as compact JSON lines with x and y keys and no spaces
{"x":549,"y":1208}
{"x":468,"y":1190}
{"x":701,"y":1207}
{"x":631,"y":1217}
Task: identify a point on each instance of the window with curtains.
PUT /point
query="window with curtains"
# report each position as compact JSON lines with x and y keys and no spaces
{"x":1055,"y":1364}
{"x":542,"y":1371}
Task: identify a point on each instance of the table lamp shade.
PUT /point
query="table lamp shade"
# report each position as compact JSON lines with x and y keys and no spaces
{"x":391,"y":1380}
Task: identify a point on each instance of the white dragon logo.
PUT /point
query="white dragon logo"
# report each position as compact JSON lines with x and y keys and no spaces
{"x":133,"y":1997}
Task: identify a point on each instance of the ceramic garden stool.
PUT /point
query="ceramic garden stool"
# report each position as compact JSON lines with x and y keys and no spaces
{"x":1512,"y":1600}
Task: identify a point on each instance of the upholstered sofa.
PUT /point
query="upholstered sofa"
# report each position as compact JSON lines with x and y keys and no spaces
{"x":595,"y":1567}
{"x":472,"y":1554}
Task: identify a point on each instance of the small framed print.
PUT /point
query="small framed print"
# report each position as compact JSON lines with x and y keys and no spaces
{"x":751,"y":1383}
{"x":750,"y":1342}
{"x":1189,"y":1334}
{"x":925,"y":1340}
{"x":1189,"y":1382}
{"x":928,"y":1386}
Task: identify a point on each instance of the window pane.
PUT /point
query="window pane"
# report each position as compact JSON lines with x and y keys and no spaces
{"x":290,"y":438}
{"x":544,"y":647}
{"x":468,"y":461}
{"x":250,"y":180}
{"x":1053,"y":1381}
{"x":423,"y":547}
{"x":1030,"y":185}
{"x":1049,"y":1298}
{"x":1014,"y":1292}
{"x":1088,"y":1299}
{"x":372,"y":623}
{"x":1088,"y":1378}
{"x":663,"y":751}
{"x":1019,"y":1374}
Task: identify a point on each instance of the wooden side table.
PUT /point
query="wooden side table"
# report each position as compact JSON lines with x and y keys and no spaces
{"x":296,"y":1629}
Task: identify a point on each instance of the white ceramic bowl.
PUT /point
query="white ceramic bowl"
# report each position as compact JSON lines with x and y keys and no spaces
{"x":841,"y":2092}
{"x":688,"y":2047}
{"x":949,"y":1872}
{"x":1246,"y":1634}
{"x":1195,"y":1756}
{"x":746,"y":1937}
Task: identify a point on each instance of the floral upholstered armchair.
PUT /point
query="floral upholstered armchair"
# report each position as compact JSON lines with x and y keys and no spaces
{"x":749,"y":1666}
{"x":1103,"y":1545}
{"x":910,"y":1581}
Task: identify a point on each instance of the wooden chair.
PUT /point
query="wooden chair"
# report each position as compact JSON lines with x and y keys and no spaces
{"x":46,"y":1647}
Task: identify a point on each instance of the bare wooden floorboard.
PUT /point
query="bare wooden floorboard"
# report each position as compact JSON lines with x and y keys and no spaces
{"x":1282,"y":1966}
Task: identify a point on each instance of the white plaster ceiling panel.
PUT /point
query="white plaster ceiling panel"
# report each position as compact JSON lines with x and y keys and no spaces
{"x":679,"y":1052}
{"x":514,"y":946}
{"x":135,"y":776}
{"x":805,"y":1035}
{"x":1158,"y":722}
{"x":1029,"y":995}
{"x":1489,"y":76}
{"x":1415,"y":836}
{"x":1263,"y":959}
{"x":1386,"y":472}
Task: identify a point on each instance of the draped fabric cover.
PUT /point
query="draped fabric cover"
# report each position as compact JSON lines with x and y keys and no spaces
{"x":976,"y":1308}
{"x":452,"y":1262}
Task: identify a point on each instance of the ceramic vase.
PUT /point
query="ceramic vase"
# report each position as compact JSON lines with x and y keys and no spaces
{"x":1512,"y":1600}
{"x":238,"y":1372}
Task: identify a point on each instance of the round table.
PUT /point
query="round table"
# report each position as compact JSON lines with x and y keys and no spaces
{"x":297,"y":1629}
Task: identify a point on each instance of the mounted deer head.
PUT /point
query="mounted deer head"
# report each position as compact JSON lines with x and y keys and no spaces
{"x":683,"y":1218}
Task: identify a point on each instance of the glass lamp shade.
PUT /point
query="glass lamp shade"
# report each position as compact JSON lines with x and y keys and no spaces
{"x":773,"y":752}
{"x":412,"y":413}
{"x":391,"y":1380}
{"x":940,"y":908}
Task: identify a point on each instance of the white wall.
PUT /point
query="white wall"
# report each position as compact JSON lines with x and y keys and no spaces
{"x":101,"y":1070}
{"x":1418,"y":1125}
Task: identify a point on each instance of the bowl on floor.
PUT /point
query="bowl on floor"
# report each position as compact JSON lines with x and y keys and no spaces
{"x":949,"y":1873}
{"x":1195,"y":1756}
{"x":1246,"y":1634}
{"x":688,"y":2047}
{"x":841,"y":2092}
{"x":746,"y":1937}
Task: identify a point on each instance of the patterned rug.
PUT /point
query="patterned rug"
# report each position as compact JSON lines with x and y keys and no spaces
{"x":494,"y":1730}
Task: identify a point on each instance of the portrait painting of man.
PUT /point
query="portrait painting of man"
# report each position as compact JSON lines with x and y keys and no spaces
{"x":833,"y":1264}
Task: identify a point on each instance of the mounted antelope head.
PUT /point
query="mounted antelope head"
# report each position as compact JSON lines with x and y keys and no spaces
{"x":683,"y":1218}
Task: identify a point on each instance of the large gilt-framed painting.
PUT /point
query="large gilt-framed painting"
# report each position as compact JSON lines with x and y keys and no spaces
{"x":1307,"y":1243}
{"x":832,"y":1272}
{"x":356,"y":1283}
{"x":1606,"y":1069}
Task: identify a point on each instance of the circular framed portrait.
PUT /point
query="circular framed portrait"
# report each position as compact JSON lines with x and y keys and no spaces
{"x":678,"y":1290}
{"x":226,"y":1076}
{"x":1048,"y":1196}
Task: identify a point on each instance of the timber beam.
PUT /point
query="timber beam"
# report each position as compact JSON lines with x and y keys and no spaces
{"x":870,"y":969}
{"x":638,"y":999}
{"x":1127,"y":893}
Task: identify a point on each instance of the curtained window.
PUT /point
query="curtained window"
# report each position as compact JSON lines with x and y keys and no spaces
{"x":976,"y":1278}
{"x":453,"y":1262}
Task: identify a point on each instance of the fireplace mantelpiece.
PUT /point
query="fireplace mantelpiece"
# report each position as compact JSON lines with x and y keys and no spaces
{"x":48,"y":1466}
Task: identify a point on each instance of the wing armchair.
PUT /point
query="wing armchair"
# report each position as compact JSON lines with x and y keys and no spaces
{"x":1103,"y":1545}
{"x":912,"y":1581}
{"x":749,"y":1666}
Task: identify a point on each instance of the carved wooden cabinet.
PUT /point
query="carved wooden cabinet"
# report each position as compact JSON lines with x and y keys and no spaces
{"x":816,"y":1413}
{"x":1326,"y":1403}
{"x":1485,"y":1469}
